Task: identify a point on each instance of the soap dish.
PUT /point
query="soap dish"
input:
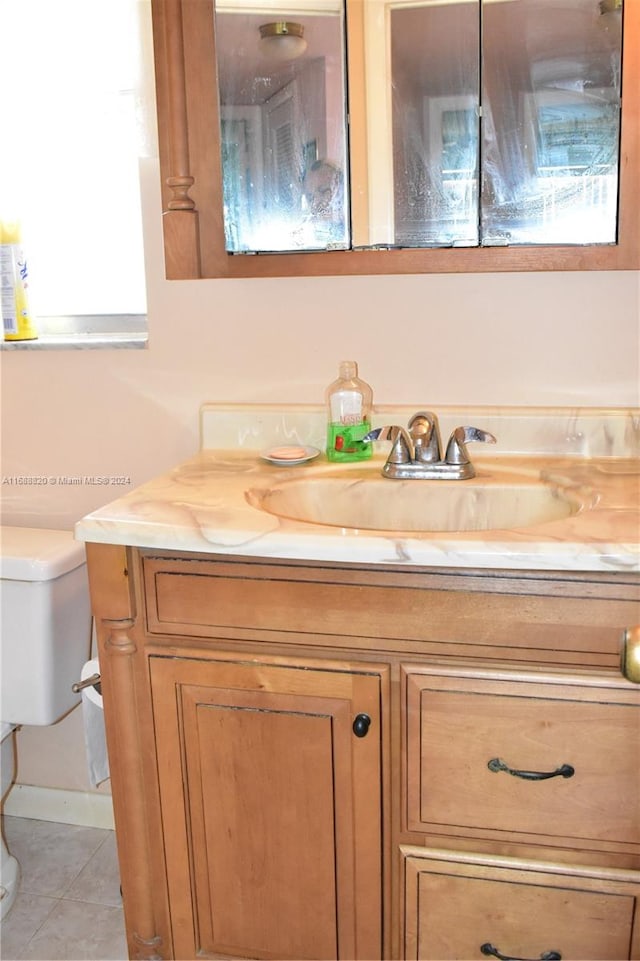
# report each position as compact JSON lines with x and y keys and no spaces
{"x":290,"y":455}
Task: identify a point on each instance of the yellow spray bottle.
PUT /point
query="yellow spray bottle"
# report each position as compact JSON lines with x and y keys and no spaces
{"x":14,"y":282}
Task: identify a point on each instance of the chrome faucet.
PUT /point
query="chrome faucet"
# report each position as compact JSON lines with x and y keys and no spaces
{"x":417,"y":451}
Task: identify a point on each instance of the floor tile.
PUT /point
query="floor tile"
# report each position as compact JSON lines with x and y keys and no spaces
{"x":51,"y":855}
{"x":27,"y":914}
{"x":79,"y":931}
{"x":99,"y":880}
{"x":87,"y":922}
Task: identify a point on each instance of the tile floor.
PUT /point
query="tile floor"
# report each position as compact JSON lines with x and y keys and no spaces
{"x":68,"y":906}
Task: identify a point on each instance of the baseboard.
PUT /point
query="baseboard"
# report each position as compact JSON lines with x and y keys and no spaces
{"x":83,"y":808}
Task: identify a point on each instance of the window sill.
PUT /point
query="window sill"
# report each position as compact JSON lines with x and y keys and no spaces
{"x":88,"y":332}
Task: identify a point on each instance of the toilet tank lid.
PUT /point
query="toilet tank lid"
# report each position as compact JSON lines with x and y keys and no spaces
{"x":31,"y":554}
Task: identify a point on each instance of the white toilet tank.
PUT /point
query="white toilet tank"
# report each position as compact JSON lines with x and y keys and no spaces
{"x":46,"y":623}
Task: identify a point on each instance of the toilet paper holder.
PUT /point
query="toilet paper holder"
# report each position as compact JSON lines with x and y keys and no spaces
{"x":92,"y":681}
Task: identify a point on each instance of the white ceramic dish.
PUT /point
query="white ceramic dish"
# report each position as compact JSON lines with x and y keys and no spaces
{"x":289,"y":455}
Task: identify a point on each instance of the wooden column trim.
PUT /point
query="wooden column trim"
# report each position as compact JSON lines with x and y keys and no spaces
{"x":180,"y":178}
{"x":117,"y":666}
{"x":180,"y":217}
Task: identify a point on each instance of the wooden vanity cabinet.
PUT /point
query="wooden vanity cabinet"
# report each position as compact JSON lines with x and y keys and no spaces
{"x":300,"y":758}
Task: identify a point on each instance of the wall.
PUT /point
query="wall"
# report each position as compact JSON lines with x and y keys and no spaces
{"x":509,"y":339}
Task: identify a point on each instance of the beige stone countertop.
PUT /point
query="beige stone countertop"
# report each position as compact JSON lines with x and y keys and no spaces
{"x":224,"y":502}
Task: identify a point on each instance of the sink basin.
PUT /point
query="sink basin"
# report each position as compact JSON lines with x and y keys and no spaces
{"x":371,"y":502}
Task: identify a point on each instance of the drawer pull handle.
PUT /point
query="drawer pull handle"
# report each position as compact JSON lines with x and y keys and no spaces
{"x":361,"y":725}
{"x":496,"y":765}
{"x":631,"y":654}
{"x":489,"y":949}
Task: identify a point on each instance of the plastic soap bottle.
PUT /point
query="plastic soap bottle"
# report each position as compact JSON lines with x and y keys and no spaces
{"x":16,"y":319}
{"x":349,"y":401}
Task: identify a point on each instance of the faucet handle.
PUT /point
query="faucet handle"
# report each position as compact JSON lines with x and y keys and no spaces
{"x":461,"y":436}
{"x":402,"y":447}
{"x":425,"y":434}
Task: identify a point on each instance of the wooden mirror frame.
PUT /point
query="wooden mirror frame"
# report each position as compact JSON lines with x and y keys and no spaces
{"x":190,"y":166}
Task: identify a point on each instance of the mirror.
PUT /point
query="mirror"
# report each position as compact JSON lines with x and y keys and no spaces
{"x":283,"y":126}
{"x":525,"y":158}
{"x":519,"y":147}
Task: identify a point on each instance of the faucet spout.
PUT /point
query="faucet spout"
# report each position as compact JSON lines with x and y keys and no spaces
{"x":425,"y":433}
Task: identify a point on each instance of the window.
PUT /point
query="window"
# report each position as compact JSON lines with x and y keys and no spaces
{"x":573,"y":138}
{"x":73,"y":133}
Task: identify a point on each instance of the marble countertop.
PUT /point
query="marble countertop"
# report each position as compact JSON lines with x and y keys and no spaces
{"x":214,"y":504}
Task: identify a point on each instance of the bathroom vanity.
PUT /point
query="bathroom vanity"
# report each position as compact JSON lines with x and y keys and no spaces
{"x":334,"y":743}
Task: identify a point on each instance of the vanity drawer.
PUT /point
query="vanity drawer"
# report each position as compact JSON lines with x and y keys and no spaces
{"x":463,"y":730}
{"x":433,"y":612}
{"x":463,"y":908}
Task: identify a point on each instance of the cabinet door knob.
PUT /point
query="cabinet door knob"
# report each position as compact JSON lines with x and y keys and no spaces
{"x":496,"y":765}
{"x":489,"y":949}
{"x":361,"y":725}
{"x":630,"y":663}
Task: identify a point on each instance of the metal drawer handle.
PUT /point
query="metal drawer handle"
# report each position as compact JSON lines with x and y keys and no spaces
{"x":496,"y":765}
{"x":489,"y":949}
{"x":630,"y":660}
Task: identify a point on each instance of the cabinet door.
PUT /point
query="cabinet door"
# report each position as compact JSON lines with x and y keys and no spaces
{"x":271,"y":807}
{"x":468,"y":908}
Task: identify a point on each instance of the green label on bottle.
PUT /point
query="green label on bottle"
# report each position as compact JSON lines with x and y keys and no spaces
{"x":344,"y":442}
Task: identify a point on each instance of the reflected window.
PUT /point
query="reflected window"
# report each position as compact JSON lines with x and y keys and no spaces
{"x":575,"y":139}
{"x":577,"y":167}
{"x":570,"y":193}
